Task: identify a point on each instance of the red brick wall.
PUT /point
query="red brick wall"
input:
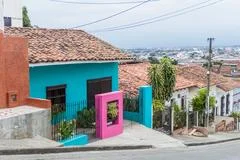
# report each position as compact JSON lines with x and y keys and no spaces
{"x":41,"y":103}
{"x":14,"y":74}
{"x":2,"y":75}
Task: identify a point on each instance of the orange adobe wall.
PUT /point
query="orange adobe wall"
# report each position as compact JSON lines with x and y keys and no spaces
{"x":14,"y":74}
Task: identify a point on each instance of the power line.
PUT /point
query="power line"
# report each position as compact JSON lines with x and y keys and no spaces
{"x":111,"y":16}
{"x":161,"y":19}
{"x":157,"y":17}
{"x":99,"y":3}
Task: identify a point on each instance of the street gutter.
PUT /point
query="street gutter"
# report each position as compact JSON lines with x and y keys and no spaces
{"x":191,"y":144}
{"x":70,"y":149}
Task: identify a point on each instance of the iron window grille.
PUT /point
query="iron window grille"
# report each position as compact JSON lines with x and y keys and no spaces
{"x":8,"y":21}
{"x":57,"y":95}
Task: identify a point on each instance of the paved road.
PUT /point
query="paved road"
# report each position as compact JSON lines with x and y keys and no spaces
{"x":226,"y":151}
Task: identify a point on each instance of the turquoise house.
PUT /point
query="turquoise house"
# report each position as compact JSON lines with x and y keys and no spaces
{"x":70,"y":66}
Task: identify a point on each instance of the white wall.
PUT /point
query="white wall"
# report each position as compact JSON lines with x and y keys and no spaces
{"x":1,"y":14}
{"x":190,"y":93}
{"x":13,"y":9}
{"x":177,"y":96}
{"x":221,"y":93}
{"x":236,"y":100}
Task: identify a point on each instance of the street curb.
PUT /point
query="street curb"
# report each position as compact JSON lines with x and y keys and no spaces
{"x":211,"y":142}
{"x":70,"y":149}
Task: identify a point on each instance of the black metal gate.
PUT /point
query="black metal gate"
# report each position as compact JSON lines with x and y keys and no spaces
{"x":72,"y":119}
{"x":163,"y":120}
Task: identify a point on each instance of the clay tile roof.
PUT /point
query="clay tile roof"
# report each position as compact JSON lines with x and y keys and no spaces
{"x":198,"y":75}
{"x":60,"y":45}
{"x":229,"y":85}
{"x":132,"y":76}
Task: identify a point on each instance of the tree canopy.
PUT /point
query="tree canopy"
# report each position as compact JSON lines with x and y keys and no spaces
{"x":162,"y":77}
{"x":26,"y":19}
{"x":199,"y":101}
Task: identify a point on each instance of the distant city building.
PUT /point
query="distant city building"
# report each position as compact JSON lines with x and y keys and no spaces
{"x":12,"y":13}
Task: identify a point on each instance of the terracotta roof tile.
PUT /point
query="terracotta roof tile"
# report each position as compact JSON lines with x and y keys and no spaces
{"x":132,"y":76}
{"x":58,"y":45}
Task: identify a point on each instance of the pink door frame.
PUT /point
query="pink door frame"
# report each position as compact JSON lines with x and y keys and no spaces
{"x":102,"y":129}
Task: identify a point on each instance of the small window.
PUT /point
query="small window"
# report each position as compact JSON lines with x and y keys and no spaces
{"x":183,"y":102}
{"x":97,"y":86}
{"x":8,"y":21}
{"x":57,"y":94}
{"x":178,"y":95}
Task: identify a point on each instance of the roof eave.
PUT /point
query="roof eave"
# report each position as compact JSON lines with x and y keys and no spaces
{"x":74,"y":62}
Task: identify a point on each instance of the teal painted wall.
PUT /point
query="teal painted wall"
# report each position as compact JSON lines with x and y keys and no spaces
{"x":146,"y":105}
{"x":75,"y":141}
{"x":75,"y":76}
{"x":144,"y":116}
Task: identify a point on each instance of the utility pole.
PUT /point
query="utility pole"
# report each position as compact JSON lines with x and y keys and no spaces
{"x":208,"y":80}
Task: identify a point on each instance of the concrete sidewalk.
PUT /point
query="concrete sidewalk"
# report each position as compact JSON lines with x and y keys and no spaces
{"x":36,"y":142}
{"x":135,"y":134}
{"x":219,"y":137}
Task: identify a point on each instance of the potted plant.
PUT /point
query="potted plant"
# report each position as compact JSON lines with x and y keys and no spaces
{"x":112,"y":112}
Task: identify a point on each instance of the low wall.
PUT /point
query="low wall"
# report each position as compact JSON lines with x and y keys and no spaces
{"x":76,"y":141}
{"x":133,"y":116}
{"x":144,"y":116}
{"x":40,"y":103}
{"x":24,"y":122}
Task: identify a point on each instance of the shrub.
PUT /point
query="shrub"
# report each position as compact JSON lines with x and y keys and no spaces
{"x":131,"y":104}
{"x":58,"y":108}
{"x":235,"y":115}
{"x":66,"y":129}
{"x":158,"y":107}
{"x":179,"y":117}
{"x":112,"y":111}
{"x":86,"y":118}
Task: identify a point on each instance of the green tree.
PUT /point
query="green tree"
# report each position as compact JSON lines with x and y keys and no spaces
{"x":162,"y":77}
{"x":199,"y":101}
{"x":153,"y":60}
{"x":26,"y":19}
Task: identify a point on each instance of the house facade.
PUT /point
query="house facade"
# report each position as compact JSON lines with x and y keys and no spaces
{"x":73,"y":82}
{"x":236,"y":100}
{"x":12,"y":13}
{"x":70,"y":66}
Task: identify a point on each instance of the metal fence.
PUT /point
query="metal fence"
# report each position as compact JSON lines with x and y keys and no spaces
{"x":69,"y":120}
{"x":131,"y":103}
{"x":162,"y":120}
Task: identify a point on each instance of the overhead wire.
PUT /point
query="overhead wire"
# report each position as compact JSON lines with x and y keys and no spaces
{"x":100,"y":3}
{"x":163,"y":15}
{"x":111,"y":16}
{"x":159,"y":18}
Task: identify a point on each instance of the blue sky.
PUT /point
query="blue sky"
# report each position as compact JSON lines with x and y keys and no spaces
{"x":221,"y":21}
